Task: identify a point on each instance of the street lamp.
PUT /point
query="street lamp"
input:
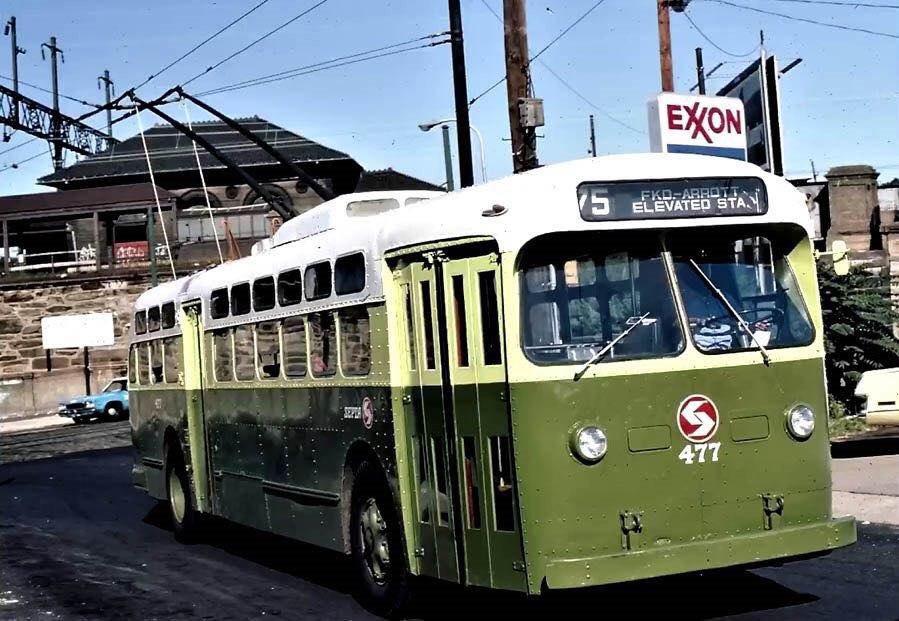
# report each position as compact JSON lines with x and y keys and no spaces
{"x":426,"y":127}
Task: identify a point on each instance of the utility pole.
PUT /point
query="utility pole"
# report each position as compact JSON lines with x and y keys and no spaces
{"x":700,"y":71}
{"x":460,"y":86}
{"x":16,"y":50}
{"x":57,"y":143}
{"x":518,"y":81}
{"x":592,"y":137}
{"x":665,"y":46}
{"x":110,"y":91}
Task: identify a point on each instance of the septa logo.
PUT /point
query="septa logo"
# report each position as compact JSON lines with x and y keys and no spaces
{"x":697,"y":418}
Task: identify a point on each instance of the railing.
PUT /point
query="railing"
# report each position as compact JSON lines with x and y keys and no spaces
{"x":83,"y":259}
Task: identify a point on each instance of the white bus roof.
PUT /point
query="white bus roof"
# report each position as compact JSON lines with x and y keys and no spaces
{"x":537,"y":202}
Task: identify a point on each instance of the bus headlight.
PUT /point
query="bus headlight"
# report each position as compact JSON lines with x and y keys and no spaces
{"x":801,"y":421}
{"x":589,"y":444}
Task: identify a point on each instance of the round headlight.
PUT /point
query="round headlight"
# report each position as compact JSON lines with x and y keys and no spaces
{"x":589,"y":444}
{"x":801,"y":422}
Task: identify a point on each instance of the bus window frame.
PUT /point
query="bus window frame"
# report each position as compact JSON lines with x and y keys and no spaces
{"x":668,"y":267}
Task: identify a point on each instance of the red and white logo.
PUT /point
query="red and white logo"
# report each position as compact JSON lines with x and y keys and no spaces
{"x":697,"y":418}
{"x":368,"y":413}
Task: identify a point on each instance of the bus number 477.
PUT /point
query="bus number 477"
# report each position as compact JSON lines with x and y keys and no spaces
{"x":698,"y":452}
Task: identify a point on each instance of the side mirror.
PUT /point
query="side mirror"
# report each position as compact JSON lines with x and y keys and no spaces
{"x":840,"y":253}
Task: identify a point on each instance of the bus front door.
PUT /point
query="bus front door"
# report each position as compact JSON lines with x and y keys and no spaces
{"x":192,"y":335}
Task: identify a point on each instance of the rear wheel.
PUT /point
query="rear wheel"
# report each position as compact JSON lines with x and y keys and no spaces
{"x":377,"y":546}
{"x":181,"y":509}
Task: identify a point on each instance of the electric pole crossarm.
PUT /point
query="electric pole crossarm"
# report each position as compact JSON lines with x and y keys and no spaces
{"x":37,"y":119}
{"x":316,"y":187}
{"x":275,"y":204}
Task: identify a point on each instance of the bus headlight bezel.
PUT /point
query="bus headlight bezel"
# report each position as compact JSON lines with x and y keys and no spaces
{"x":588,"y":443}
{"x":800,"y":421}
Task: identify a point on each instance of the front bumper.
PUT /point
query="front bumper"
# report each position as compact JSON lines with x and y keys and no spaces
{"x":80,"y":413}
{"x":766,"y":547}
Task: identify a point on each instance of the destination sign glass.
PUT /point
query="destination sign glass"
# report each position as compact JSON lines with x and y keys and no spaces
{"x":672,"y":198}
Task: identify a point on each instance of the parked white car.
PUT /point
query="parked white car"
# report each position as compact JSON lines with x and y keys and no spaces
{"x":878,"y":394}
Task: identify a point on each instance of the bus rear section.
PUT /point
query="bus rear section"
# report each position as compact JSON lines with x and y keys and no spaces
{"x":668,"y":403}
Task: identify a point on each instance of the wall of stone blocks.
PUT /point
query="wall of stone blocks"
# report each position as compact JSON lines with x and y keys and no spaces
{"x":25,"y":384}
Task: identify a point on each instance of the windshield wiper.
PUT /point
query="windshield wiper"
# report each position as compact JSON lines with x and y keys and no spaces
{"x":740,"y":321}
{"x":602,"y":352}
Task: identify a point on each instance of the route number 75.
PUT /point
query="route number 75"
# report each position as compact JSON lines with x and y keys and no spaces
{"x":698,"y":452}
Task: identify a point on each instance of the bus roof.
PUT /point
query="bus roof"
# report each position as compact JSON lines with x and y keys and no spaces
{"x":530,"y":204}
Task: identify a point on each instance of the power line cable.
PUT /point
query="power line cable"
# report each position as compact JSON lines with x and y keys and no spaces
{"x":843,"y":3}
{"x":47,"y":90}
{"x":715,"y":45}
{"x":806,"y":20}
{"x":255,"y":41}
{"x":20,"y":162}
{"x":542,"y":50}
{"x":228,"y":89}
{"x":296,"y":70}
{"x":21,"y":144}
{"x":567,"y":85}
{"x":201,"y":44}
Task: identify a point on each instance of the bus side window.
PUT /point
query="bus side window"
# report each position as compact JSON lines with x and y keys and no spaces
{"x":172,"y":359}
{"x":410,"y":325}
{"x":294,"y":330}
{"x":143,"y":363}
{"x":489,"y":318}
{"x":355,"y":341}
{"x":268,"y":349}
{"x":428,"y":317}
{"x":244,"y":353}
{"x":221,"y":344}
{"x":156,"y":361}
{"x":324,"y":345}
{"x":132,"y":365}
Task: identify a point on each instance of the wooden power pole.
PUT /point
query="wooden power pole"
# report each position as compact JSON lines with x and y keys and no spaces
{"x":460,"y":88}
{"x":665,"y":46}
{"x":524,"y":138}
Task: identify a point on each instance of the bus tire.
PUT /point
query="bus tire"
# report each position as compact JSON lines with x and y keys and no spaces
{"x":378,"y":557}
{"x":181,"y":510}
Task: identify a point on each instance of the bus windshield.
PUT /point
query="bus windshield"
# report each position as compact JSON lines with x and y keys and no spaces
{"x":753,"y":274}
{"x":580,"y":292}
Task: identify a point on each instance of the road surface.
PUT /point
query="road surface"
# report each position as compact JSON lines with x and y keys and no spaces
{"x":78,"y":542}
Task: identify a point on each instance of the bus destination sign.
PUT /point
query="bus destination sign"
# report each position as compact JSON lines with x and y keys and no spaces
{"x":675,"y":198}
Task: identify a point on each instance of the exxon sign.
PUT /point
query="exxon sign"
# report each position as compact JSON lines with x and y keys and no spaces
{"x":697,"y":124}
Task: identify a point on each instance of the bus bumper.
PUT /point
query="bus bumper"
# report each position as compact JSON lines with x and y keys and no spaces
{"x":768,"y":547}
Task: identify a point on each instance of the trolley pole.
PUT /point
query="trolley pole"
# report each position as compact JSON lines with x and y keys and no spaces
{"x":110,"y":90}
{"x":665,"y":46}
{"x":524,"y":139}
{"x":16,"y":50}
{"x":460,"y":87}
{"x":54,"y":71}
{"x":592,"y":137}
{"x":700,"y":71}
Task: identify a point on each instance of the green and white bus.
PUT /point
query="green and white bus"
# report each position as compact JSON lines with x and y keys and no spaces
{"x":598,"y":371}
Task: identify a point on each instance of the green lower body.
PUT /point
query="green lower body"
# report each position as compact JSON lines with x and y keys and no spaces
{"x":767,"y":547}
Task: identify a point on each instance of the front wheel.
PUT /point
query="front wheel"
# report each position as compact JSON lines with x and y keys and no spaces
{"x":377,"y":545}
{"x":181,"y":509}
{"x":112,"y":412}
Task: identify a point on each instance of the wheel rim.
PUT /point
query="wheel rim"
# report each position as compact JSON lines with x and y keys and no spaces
{"x":176,"y":496}
{"x":113,"y":412}
{"x":375,"y":548}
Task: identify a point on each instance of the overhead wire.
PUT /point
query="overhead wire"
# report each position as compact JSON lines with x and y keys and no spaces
{"x":21,"y":144}
{"x":257,"y":40}
{"x":715,"y":45}
{"x":20,"y":162}
{"x":324,"y":62}
{"x":47,"y":90}
{"x":201,"y":44}
{"x":314,"y":68}
{"x":807,"y":20}
{"x":552,"y":42}
{"x":844,"y":3}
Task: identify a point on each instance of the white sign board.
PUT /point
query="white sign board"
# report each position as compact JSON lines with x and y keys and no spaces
{"x":94,"y":330}
{"x":697,"y":124}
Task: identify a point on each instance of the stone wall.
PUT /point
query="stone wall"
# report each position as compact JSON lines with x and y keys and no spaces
{"x":25,"y":383}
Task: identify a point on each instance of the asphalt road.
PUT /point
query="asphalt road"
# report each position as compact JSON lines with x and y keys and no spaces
{"x":78,"y":542}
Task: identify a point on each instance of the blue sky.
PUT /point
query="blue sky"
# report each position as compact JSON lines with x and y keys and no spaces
{"x":840,"y":106}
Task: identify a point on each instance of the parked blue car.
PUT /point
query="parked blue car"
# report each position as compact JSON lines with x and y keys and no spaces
{"x":110,"y":404}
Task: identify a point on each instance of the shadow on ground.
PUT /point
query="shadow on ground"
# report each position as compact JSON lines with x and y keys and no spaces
{"x":723,"y":593}
{"x":866,"y":445}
